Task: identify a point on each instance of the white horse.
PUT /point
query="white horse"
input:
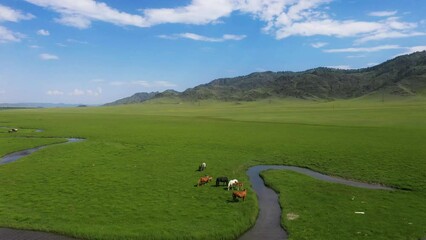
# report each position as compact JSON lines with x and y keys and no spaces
{"x":232,"y":183}
{"x":13,"y":130}
{"x":202,"y":166}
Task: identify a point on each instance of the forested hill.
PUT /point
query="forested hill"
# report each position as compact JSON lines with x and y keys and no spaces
{"x":135,"y":98}
{"x":404,"y":75}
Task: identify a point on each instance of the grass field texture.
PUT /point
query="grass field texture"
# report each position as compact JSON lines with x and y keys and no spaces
{"x":134,"y":176}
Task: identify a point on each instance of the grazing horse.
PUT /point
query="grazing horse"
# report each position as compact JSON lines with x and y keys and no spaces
{"x":13,"y":130}
{"x":204,"y":180}
{"x":202,"y":166}
{"x":232,"y":183}
{"x":239,"y":194}
{"x":221,"y":179}
{"x":239,"y":185}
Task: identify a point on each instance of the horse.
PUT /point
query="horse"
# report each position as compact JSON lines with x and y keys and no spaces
{"x":232,"y":183}
{"x":202,"y":166}
{"x":221,"y":179}
{"x":13,"y":130}
{"x":239,"y":185}
{"x":239,"y":194}
{"x":204,"y":180}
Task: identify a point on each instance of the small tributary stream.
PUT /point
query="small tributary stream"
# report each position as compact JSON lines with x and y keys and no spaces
{"x":17,"y":155}
{"x":268,"y":223}
{"x":17,"y":234}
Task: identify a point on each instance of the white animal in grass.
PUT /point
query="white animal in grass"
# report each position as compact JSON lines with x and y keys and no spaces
{"x":232,"y":183}
{"x":13,"y":130}
{"x":202,"y":166}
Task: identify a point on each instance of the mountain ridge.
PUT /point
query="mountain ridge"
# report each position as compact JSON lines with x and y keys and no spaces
{"x":403,"y":75}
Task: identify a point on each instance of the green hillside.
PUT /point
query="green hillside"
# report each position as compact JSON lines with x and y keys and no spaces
{"x":135,"y":98}
{"x":401,"y":76}
{"x":404,"y":76}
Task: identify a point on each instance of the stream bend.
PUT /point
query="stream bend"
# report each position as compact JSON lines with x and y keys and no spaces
{"x":268,"y":223}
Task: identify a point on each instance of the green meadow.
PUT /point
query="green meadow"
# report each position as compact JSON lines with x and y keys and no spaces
{"x":134,"y":175}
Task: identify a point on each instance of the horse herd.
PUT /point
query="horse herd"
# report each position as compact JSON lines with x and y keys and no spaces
{"x":234,"y":183}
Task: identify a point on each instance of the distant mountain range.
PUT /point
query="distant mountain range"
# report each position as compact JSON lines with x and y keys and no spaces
{"x":404,"y":75}
{"x":36,"y":105}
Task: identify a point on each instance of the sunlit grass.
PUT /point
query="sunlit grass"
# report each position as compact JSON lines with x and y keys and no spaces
{"x":134,"y":176}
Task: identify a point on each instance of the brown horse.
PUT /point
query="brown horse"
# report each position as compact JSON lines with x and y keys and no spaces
{"x":239,"y":185}
{"x":204,"y":180}
{"x":239,"y":194}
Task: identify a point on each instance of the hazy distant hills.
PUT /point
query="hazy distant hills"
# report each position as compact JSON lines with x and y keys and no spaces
{"x":36,"y":105}
{"x":404,"y":75}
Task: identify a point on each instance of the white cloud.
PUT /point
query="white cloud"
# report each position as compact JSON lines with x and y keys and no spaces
{"x":145,"y":84}
{"x":117,"y":83}
{"x":74,"y":21}
{"x":197,"y":12}
{"x":142,"y":83}
{"x":319,"y":44}
{"x":70,"y":40}
{"x":94,"y":93}
{"x":417,"y":49}
{"x":364,"y":49}
{"x":309,"y":18}
{"x":97,"y":80}
{"x":233,"y":37}
{"x":8,"y":36}
{"x":409,"y":50}
{"x":343,"y":67}
{"x":76,"y":92}
{"x":47,"y":56}
{"x":81,"y":13}
{"x":54,"y":93}
{"x":327,"y":27}
{"x":357,"y":56}
{"x":372,"y":64}
{"x":154,"y":84}
{"x":12,"y":15}
{"x":197,"y":37}
{"x":34,"y":46}
{"x":282,"y":18}
{"x":164,"y":84}
{"x":43,"y":32}
{"x":382,"y":13}
{"x":387,"y":35}
{"x":2,"y":91}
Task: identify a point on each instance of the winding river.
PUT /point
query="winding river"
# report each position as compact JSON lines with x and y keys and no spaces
{"x":268,"y":224}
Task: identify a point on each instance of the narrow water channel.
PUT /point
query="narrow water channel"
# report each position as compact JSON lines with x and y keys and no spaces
{"x":268,"y":223}
{"x":20,"y":154}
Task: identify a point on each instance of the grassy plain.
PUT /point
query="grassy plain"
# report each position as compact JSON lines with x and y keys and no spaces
{"x":134,"y":176}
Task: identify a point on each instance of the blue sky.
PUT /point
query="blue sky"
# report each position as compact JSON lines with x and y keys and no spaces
{"x":93,"y":52}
